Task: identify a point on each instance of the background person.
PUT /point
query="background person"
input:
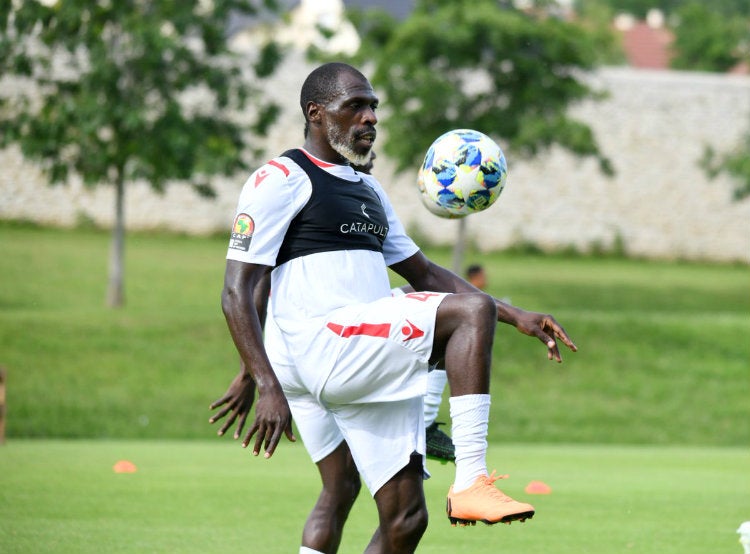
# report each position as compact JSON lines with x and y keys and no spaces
{"x":476,"y":275}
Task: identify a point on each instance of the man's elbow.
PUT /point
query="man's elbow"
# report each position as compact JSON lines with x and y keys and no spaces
{"x":229,"y":298}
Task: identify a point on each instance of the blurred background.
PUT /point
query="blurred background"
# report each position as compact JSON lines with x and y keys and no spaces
{"x":625,"y":123}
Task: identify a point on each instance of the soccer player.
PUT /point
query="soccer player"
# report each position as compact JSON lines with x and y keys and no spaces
{"x":353,"y":366}
{"x":438,"y":445}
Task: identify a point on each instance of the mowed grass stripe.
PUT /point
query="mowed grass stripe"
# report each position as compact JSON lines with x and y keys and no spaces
{"x":213,"y":496}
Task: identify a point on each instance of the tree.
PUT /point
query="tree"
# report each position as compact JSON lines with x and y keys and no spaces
{"x":484,"y":65}
{"x":473,"y":64}
{"x":596,"y":17}
{"x":706,"y":40}
{"x":106,"y":89}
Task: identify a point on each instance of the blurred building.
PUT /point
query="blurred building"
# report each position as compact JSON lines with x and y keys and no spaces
{"x":646,"y":44}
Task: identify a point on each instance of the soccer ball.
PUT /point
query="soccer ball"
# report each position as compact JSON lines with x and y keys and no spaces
{"x":464,"y":172}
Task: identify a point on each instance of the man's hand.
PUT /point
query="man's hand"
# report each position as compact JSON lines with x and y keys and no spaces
{"x":272,"y":414}
{"x":547,"y":330}
{"x":272,"y":418}
{"x":238,"y":400}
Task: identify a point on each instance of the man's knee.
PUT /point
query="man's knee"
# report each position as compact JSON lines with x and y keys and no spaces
{"x":482,"y":308}
{"x":472,"y":308}
{"x":325,"y":524}
{"x":341,"y":480}
{"x":402,"y":508}
{"x":404,"y":531}
{"x":349,"y":487}
{"x":471,"y":315}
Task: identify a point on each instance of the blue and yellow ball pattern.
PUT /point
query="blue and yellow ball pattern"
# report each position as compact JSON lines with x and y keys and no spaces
{"x":464,"y":172}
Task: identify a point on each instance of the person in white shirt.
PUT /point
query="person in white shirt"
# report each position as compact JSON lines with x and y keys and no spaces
{"x":354,"y":363}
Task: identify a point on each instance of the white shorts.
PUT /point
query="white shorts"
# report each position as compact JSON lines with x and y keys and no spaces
{"x":381,"y":436}
{"x":362,"y":353}
{"x":378,"y":355}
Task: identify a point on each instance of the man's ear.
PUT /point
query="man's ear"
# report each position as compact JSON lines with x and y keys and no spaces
{"x":313,"y":111}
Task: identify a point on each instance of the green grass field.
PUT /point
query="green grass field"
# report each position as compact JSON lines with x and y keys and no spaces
{"x":643,"y":435}
{"x":213,"y":496}
{"x":664,"y":356}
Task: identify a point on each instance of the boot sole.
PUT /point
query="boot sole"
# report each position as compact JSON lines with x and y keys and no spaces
{"x":521,"y":516}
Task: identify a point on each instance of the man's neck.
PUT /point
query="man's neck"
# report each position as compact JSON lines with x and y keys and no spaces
{"x":324,"y":153}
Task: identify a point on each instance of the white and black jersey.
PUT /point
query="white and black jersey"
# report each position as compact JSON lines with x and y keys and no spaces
{"x":326,"y":251}
{"x":339,"y":215}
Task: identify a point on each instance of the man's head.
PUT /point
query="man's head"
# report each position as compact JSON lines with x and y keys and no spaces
{"x":476,"y":276}
{"x":339,"y":108}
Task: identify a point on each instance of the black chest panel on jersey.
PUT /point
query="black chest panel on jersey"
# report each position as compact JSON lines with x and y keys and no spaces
{"x":340,"y":215}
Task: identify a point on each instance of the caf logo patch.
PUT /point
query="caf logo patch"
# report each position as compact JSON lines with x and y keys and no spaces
{"x":242,"y":232}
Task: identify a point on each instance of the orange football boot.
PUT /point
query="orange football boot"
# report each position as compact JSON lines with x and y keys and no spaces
{"x":484,"y":502}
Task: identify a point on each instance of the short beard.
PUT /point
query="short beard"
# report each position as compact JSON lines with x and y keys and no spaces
{"x":345,"y":149}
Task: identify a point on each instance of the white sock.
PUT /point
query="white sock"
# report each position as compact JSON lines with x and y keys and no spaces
{"x":436,"y":380}
{"x":305,"y":550}
{"x":470,"y":414}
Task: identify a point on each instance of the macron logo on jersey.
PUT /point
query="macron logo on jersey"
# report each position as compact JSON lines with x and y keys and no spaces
{"x":411,"y":331}
{"x":262,"y":173}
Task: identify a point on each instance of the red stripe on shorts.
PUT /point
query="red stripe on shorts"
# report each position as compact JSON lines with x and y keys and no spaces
{"x":368,"y":329}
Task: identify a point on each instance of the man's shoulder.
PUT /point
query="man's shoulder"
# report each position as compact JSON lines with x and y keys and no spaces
{"x":278,"y":170}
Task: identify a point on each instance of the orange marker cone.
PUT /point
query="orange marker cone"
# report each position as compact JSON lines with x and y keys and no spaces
{"x":124,"y":466}
{"x":538,"y":487}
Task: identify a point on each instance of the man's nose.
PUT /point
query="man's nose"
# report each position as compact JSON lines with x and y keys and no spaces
{"x":369,"y":116}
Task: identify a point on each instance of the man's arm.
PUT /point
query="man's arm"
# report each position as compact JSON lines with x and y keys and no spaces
{"x":238,"y":302}
{"x":239,"y":398}
{"x":423,"y":274}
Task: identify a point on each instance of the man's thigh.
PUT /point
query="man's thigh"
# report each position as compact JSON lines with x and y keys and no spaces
{"x":382,"y":437}
{"x":381,"y":350}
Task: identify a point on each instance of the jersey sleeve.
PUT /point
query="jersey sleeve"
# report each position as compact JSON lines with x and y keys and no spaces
{"x":398,"y":245}
{"x":270,"y":199}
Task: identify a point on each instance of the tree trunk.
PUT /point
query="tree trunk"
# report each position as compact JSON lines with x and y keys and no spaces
{"x":2,"y":405}
{"x":459,"y":249}
{"x":116,"y":289}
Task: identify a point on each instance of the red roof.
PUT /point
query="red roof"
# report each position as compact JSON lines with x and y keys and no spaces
{"x":647,"y":47}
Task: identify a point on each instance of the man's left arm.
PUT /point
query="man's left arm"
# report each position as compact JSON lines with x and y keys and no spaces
{"x":423,"y":274}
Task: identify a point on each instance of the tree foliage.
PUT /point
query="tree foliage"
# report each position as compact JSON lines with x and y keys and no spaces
{"x":111,"y":79}
{"x":118,"y":90}
{"x":706,"y":40}
{"x":477,"y":64}
{"x":735,"y":163}
{"x":640,"y":8}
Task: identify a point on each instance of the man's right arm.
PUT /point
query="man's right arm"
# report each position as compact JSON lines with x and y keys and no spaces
{"x":272,"y":414}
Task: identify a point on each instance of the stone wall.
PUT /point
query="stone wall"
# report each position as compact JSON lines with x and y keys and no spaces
{"x":653,"y":125}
